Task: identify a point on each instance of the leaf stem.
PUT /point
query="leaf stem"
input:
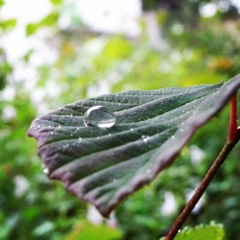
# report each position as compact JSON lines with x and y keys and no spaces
{"x":201,"y":189}
{"x":233,"y":125}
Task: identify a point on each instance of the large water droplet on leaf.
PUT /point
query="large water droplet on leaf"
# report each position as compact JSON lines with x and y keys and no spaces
{"x":99,"y":116}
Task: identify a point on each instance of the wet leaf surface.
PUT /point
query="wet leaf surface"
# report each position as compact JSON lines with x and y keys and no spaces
{"x":103,"y":165}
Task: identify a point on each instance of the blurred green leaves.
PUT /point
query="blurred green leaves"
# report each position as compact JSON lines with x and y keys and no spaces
{"x":56,"y":2}
{"x":6,"y":25}
{"x":85,"y":230}
{"x":49,"y":21}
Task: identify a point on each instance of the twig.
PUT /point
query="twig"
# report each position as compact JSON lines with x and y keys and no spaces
{"x":233,"y":138}
{"x":233,"y":131}
{"x":201,"y":189}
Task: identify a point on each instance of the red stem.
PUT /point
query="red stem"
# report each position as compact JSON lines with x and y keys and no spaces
{"x":233,"y":138}
{"x":200,"y":190}
{"x":233,"y":125}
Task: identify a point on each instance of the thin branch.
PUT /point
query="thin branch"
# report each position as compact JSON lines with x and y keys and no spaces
{"x":201,"y":189}
{"x":233,"y":125}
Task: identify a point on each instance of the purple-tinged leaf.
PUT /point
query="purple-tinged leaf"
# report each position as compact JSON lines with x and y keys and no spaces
{"x":103,"y":165}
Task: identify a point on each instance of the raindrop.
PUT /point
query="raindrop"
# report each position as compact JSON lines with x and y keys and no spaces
{"x":59,"y":126}
{"x":45,"y":170}
{"x":51,"y":132}
{"x":99,"y":116}
{"x":79,"y":139}
{"x":38,"y":126}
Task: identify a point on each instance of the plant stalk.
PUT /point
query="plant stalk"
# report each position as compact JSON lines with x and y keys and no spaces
{"x":201,"y":189}
{"x":233,"y":138}
{"x":233,"y":124}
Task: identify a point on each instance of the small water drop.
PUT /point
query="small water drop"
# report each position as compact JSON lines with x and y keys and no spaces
{"x":148,"y":171}
{"x":45,"y":170}
{"x":51,"y":132}
{"x":99,"y":116}
{"x":38,"y":126}
{"x":145,"y":138}
{"x":79,"y":139}
{"x":59,"y":126}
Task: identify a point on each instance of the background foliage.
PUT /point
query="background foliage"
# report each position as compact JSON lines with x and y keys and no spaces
{"x":199,"y":50}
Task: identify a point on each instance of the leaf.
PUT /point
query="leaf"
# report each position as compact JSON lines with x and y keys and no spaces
{"x":7,"y":24}
{"x":85,"y":230}
{"x":105,"y":165}
{"x":32,"y":28}
{"x":212,"y":231}
{"x":47,"y":21}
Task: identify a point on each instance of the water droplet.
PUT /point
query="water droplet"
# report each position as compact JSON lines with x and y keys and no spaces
{"x":38,"y":126}
{"x":99,"y":116}
{"x":59,"y":126}
{"x":148,"y":171}
{"x":79,"y":139}
{"x":45,"y":170}
{"x":145,"y":138}
{"x":51,"y":133}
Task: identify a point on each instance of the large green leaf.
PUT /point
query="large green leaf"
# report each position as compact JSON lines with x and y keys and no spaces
{"x":105,"y":165}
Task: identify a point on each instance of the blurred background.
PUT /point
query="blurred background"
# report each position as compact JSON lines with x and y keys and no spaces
{"x":54,"y":52}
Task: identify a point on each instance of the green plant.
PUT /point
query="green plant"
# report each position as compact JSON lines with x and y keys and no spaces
{"x":105,"y":148}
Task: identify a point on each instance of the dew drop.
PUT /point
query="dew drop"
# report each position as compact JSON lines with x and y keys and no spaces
{"x":99,"y":116}
{"x":145,"y":138}
{"x":148,"y":171}
{"x":45,"y":170}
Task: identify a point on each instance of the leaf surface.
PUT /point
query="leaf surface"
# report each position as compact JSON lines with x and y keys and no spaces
{"x":105,"y":165}
{"x":212,"y":231}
